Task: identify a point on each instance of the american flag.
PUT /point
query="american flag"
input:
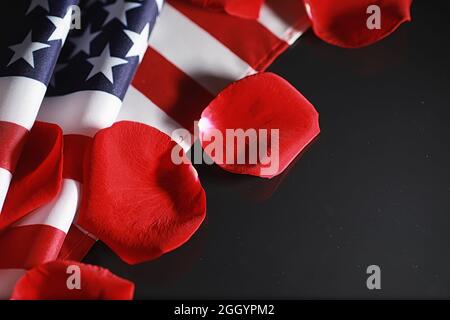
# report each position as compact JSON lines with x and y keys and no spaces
{"x":84,"y":86}
{"x":27,"y":58}
{"x":191,"y":56}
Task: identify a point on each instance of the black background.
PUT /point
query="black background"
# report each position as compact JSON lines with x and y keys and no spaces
{"x":374,"y":188}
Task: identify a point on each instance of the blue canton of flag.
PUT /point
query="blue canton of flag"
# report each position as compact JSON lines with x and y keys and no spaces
{"x":105,"y":53}
{"x":33,"y":34}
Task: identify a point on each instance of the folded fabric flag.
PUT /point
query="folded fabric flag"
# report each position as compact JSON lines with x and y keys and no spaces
{"x":38,"y":236}
{"x":85,"y":95}
{"x":36,"y":32}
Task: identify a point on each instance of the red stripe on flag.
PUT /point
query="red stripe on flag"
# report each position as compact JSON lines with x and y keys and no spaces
{"x":75,"y":146}
{"x":12,"y":138}
{"x":248,"y":39}
{"x":178,"y":95}
{"x":23,"y":247}
{"x":292,"y":12}
{"x":76,"y":245}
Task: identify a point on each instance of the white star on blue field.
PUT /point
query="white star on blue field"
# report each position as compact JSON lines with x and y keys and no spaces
{"x":105,"y":53}
{"x":35,"y":32}
{"x":102,"y":55}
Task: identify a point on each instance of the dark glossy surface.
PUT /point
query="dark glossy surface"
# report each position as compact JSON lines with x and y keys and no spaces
{"x":374,"y":188}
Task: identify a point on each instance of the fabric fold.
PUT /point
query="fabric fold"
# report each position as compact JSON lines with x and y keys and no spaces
{"x":84,"y":95}
{"x":26,"y":66}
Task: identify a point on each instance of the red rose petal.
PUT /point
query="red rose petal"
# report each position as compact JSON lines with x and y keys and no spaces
{"x":247,"y":9}
{"x":263,"y":101}
{"x":50,"y":281}
{"x":136,"y":199}
{"x":38,"y":176}
{"x":344,"y":23}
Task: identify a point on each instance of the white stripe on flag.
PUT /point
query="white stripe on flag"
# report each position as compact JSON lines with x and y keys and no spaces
{"x":159,"y":3}
{"x":278,"y":26}
{"x":60,"y":212}
{"x":196,"y":53}
{"x":83,"y":112}
{"x":20,"y":99}
{"x":137,"y":107}
{"x":8,"y":279}
{"x":5,"y":180}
